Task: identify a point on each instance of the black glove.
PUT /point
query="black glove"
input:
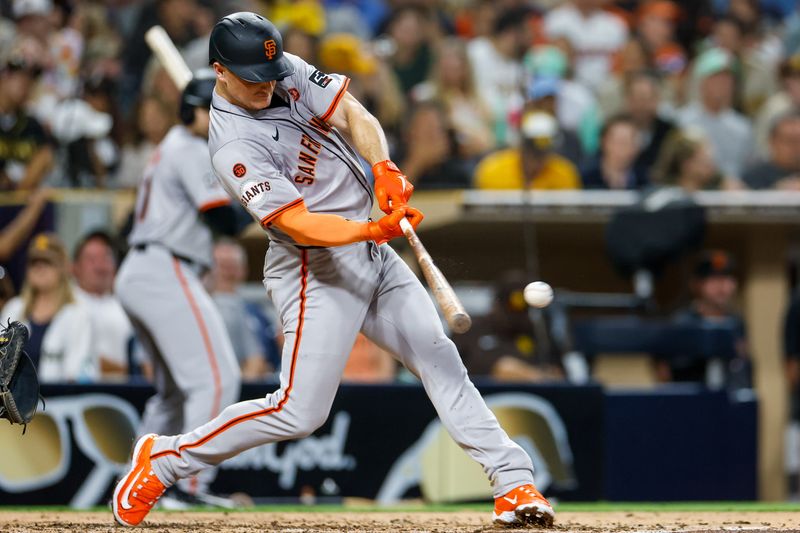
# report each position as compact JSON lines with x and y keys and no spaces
{"x":19,"y":386}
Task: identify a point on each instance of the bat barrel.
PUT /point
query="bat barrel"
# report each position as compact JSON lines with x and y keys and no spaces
{"x":454,"y":313}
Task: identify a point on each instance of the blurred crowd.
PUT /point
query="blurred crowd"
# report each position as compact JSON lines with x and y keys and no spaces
{"x":493,"y":94}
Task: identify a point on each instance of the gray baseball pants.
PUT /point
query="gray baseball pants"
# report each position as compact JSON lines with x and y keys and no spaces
{"x":324,"y":297}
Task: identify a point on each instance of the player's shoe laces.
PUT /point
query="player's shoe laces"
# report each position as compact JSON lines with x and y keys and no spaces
{"x":139,"y":489}
{"x":523,"y":506}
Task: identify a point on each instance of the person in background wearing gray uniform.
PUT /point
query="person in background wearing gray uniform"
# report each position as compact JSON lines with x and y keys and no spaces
{"x":178,"y":204}
{"x":277,"y":143}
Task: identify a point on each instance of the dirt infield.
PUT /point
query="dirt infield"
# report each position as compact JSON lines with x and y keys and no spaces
{"x":460,"y":522}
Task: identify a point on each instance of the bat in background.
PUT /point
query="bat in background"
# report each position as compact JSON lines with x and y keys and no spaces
{"x":168,"y":55}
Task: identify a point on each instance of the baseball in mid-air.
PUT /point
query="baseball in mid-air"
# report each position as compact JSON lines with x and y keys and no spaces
{"x":538,"y":294}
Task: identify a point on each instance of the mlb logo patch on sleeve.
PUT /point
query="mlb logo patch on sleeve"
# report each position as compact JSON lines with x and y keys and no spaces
{"x":320,"y":78}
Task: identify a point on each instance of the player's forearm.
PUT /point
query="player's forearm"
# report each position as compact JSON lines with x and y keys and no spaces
{"x":363,"y":128}
{"x":319,"y":229}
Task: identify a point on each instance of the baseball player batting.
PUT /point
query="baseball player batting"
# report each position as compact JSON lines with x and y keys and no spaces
{"x":196,"y":374}
{"x":277,"y":144}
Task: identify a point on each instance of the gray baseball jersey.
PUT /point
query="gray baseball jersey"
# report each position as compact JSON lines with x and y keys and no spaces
{"x":270,"y":160}
{"x":196,"y":373}
{"x":178,"y":185}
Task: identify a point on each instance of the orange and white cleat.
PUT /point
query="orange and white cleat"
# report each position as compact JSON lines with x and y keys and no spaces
{"x":523,"y":506}
{"x":139,"y":489}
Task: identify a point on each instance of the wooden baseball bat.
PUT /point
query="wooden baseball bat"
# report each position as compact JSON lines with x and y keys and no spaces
{"x":168,"y":55}
{"x":457,"y":318}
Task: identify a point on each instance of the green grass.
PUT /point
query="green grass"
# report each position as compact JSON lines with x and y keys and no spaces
{"x":486,"y":507}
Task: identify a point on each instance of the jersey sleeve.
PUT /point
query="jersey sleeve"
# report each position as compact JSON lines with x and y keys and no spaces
{"x":318,"y":91}
{"x":247,"y":172}
{"x":199,"y":182}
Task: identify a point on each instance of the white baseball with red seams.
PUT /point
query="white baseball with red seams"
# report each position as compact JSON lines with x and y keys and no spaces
{"x":538,"y":294}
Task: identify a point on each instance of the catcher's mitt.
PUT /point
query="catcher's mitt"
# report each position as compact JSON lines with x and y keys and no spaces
{"x":19,"y":386}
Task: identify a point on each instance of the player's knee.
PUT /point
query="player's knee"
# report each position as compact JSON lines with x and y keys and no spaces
{"x":307,"y":421}
{"x":308,"y":426}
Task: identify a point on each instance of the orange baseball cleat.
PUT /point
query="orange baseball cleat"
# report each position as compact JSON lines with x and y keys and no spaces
{"x":523,"y":506}
{"x":139,"y":489}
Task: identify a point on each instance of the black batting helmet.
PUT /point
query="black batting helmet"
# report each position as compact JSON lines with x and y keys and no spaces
{"x":197,"y":93}
{"x":250,"y":46}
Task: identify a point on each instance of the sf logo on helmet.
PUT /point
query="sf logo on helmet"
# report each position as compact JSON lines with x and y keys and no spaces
{"x":270,"y":49}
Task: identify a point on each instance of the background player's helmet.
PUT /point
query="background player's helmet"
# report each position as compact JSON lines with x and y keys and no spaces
{"x":197,"y":94}
{"x":250,"y":46}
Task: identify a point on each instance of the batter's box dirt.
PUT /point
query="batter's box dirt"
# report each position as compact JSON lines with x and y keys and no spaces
{"x":383,"y":522}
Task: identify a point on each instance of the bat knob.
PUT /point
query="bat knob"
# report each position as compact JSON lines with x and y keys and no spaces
{"x":460,"y":323}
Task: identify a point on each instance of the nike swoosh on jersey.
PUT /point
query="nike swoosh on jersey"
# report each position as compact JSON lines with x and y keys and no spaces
{"x":124,"y":503}
{"x":277,"y":134}
{"x":511,"y":501}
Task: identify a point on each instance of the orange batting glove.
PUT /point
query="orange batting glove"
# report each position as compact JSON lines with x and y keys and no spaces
{"x":392,"y":188}
{"x":388,"y":227}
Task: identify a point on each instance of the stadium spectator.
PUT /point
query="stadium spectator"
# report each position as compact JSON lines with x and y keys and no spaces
{"x":94,"y":268}
{"x":729,"y":131}
{"x":573,"y":104}
{"x":410,"y":31}
{"x":546,"y":95}
{"x":19,"y":228}
{"x":308,"y":16}
{"x":534,"y":165}
{"x":760,"y":52}
{"x":714,"y":290}
{"x":502,"y":345}
{"x":26,"y":150}
{"x":780,"y":103}
{"x":372,"y":81}
{"x":686,"y":160}
{"x":205,"y":15}
{"x":656,"y":26}
{"x":632,"y":57}
{"x":643,"y":99}
{"x":301,"y":43}
{"x":177,"y":18}
{"x":498,"y":72}
{"x":452,"y":84}
{"x":615,"y":167}
{"x":59,"y":326}
{"x":369,"y":363}
{"x":593,"y":33}
{"x":154,"y":118}
{"x":431,"y":159}
{"x":65,"y":45}
{"x":33,"y":19}
{"x":227,"y":274}
{"x":782,"y":169}
{"x":83,"y":126}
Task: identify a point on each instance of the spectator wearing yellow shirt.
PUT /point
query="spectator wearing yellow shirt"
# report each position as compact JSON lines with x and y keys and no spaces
{"x":534,"y":165}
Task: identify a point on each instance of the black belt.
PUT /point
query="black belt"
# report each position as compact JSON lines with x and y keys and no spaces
{"x":143,"y":246}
